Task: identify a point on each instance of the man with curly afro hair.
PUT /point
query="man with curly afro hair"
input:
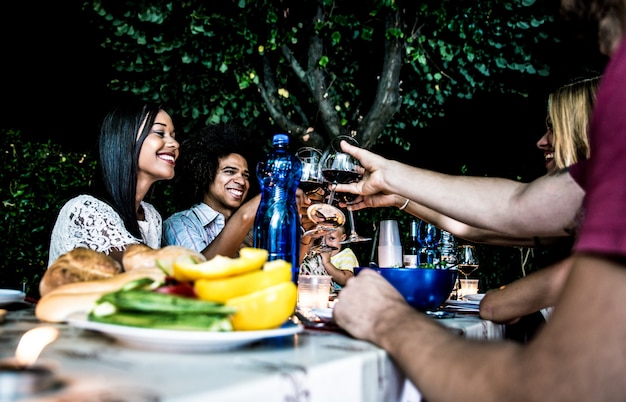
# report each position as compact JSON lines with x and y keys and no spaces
{"x":215,"y":191}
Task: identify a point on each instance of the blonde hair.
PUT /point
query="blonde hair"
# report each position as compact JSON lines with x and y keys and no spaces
{"x":573,"y":103}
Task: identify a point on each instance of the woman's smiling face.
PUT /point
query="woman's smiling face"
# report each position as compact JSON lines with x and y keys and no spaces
{"x":159,"y":150}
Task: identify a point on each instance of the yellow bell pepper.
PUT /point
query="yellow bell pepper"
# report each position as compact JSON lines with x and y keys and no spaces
{"x":222,"y":289}
{"x":264,"y":309}
{"x":250,"y":259}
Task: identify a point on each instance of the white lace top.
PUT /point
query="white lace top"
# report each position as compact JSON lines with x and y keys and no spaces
{"x":85,"y":221}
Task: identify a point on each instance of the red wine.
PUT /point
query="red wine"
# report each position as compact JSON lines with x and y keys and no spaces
{"x":309,"y":186}
{"x":346,"y":197}
{"x":341,"y":176}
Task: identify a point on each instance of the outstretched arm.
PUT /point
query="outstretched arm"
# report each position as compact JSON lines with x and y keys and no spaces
{"x":527,"y":295}
{"x":457,"y":228}
{"x":496,"y":204}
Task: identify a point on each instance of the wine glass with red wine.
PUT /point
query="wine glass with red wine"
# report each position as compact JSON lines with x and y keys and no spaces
{"x":326,"y":217}
{"x":311,"y":180}
{"x":339,"y":167}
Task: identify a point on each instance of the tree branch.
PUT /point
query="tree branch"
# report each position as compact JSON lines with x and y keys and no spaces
{"x":268,"y":91}
{"x":316,"y":82}
{"x":388,"y":99}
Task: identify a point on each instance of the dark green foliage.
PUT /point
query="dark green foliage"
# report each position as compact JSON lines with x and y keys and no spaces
{"x":382,"y":69}
{"x":36,"y":179}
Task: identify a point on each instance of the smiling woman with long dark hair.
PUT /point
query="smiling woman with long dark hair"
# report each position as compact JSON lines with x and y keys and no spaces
{"x":137,"y":147}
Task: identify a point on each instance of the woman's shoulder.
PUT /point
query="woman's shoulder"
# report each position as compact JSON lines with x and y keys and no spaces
{"x":84,"y":199}
{"x":87,"y":205}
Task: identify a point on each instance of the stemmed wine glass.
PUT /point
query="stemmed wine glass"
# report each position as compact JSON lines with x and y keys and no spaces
{"x":467,"y":261}
{"x":311,"y":180}
{"x":354,"y":237}
{"x":327,"y":217}
{"x":339,"y":167}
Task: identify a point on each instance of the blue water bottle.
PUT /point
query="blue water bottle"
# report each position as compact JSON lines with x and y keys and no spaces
{"x":277,"y":221}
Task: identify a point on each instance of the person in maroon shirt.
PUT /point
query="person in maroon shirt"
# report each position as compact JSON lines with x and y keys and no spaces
{"x":579,"y":354}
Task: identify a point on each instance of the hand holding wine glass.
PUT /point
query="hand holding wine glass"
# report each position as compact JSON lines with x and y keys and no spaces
{"x":340,"y":167}
{"x":326,"y":217}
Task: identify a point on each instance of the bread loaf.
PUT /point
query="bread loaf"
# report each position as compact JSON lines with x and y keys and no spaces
{"x":78,"y":265}
{"x":77,"y":279}
{"x":80,"y":297}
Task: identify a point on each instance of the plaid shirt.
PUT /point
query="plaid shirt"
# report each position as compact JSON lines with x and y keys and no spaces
{"x":194,"y":228}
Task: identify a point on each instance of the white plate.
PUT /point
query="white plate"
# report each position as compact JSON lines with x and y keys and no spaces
{"x":323,"y":313}
{"x":8,"y":296}
{"x":463,"y":305}
{"x":475,"y":297}
{"x":181,"y":341}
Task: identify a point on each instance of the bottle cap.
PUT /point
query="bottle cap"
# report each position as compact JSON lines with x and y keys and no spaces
{"x":280,"y":139}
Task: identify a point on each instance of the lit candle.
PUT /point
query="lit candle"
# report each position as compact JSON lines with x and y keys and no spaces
{"x":20,"y":376}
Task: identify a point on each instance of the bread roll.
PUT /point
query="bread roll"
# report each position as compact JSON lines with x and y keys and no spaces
{"x":58,"y":307}
{"x":78,"y":265}
{"x":138,"y":256}
{"x":80,"y":297}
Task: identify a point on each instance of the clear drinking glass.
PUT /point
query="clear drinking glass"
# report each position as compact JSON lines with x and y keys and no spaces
{"x":467,"y":261}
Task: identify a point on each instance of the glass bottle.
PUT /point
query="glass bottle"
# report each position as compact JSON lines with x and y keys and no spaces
{"x":277,"y":221}
{"x":448,"y":248}
{"x":429,"y":236}
{"x":412,"y":248}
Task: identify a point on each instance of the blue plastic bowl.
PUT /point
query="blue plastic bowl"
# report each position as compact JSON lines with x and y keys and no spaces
{"x":423,"y":288}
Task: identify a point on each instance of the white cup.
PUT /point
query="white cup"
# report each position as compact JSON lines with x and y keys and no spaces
{"x":313,"y":291}
{"x":389,"y":245}
{"x":389,"y":233}
{"x":468,"y":287}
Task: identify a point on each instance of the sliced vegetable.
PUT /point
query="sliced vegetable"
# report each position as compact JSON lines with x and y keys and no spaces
{"x":223,"y":289}
{"x":141,"y":283}
{"x":181,"y":322}
{"x":251,"y":259}
{"x":183,"y":289}
{"x":149,"y":301}
{"x":264,"y":309}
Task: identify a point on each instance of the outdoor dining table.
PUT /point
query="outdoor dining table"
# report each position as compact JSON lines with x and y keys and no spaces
{"x":311,"y":365}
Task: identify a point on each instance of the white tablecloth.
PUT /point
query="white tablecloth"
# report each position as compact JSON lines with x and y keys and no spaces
{"x":311,"y":366}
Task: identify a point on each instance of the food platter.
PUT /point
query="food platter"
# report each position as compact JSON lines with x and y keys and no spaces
{"x":8,"y":296}
{"x":181,"y":341}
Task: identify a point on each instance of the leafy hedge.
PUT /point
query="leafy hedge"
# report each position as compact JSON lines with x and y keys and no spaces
{"x":38,"y":178}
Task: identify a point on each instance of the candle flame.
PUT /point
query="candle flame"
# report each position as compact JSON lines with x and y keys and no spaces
{"x":32,"y":343}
